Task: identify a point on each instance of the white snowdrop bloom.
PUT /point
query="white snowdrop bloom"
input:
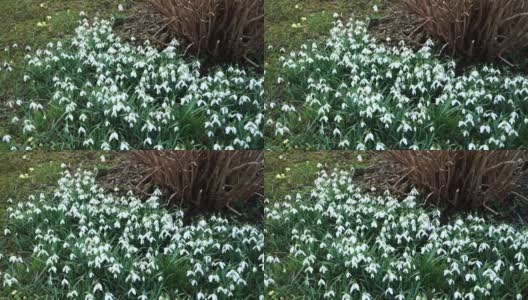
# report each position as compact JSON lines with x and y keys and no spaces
{"x":382,"y":89}
{"x":384,"y":242}
{"x":368,"y":137}
{"x":113,"y":136}
{"x":97,"y":287}
{"x":72,"y":294}
{"x":321,"y":282}
{"x":103,"y":250}
{"x":108,"y":104}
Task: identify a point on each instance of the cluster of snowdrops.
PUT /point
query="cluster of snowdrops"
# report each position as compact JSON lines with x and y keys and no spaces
{"x":96,"y":91}
{"x":354,"y":92}
{"x":344,"y":243}
{"x":83,"y":243}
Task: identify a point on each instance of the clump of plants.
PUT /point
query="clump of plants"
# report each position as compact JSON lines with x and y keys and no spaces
{"x":223,"y":30}
{"x":475,"y":30}
{"x":461,"y":180}
{"x":206,"y":180}
{"x":97,"y":92}
{"x":355,"y":93}
{"x":335,"y":242}
{"x":79,"y":242}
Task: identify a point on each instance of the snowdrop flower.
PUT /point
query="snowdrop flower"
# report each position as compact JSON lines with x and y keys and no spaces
{"x":106,"y":106}
{"x":384,"y":89}
{"x":112,"y":251}
{"x":382,"y":240}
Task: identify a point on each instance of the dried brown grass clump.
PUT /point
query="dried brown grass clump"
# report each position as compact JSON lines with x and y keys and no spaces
{"x":460,"y":180}
{"x":224,"y":30}
{"x":475,"y":29}
{"x":205,"y":180}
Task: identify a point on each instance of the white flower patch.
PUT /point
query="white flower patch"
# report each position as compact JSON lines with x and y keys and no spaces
{"x":98,"y":92}
{"x":357,"y":93}
{"x":86,"y":243}
{"x":345,"y":244}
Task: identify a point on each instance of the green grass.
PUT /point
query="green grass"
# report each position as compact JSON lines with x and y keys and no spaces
{"x":361,"y":240}
{"x":40,"y":171}
{"x":282,"y":14}
{"x":315,"y":18}
{"x":67,"y":214}
{"x":19,"y":26}
{"x":176,"y":124}
{"x":43,"y":169}
{"x":300,"y":168}
{"x":20,"y":19}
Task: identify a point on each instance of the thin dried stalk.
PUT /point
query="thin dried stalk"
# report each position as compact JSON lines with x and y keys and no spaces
{"x":205,"y":180}
{"x":461,"y":180}
{"x":484,"y":29}
{"x":223,"y":29}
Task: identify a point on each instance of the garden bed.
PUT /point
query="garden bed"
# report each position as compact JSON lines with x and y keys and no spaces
{"x":91,"y":234}
{"x":95,"y":91}
{"x":342,"y":242}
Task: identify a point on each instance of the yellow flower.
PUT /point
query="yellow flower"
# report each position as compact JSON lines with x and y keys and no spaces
{"x":280,"y":176}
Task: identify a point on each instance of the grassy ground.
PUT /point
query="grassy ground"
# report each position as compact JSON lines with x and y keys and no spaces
{"x":35,"y":23}
{"x":23,"y":174}
{"x":287,"y":172}
{"x":290,"y":24}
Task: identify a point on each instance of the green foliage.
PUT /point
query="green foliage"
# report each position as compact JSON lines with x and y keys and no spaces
{"x":333,"y":241}
{"x":81,"y":242}
{"x":96,"y":92}
{"x":20,"y":19}
{"x":294,"y":170}
{"x":353,"y":92}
